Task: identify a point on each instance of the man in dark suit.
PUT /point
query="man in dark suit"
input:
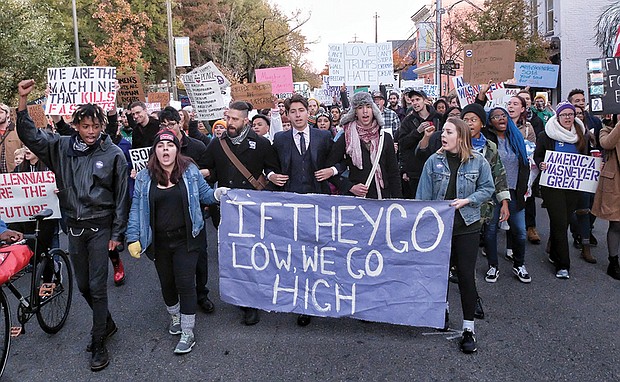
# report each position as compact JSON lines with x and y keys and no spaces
{"x":252,"y":150}
{"x":303,"y":152}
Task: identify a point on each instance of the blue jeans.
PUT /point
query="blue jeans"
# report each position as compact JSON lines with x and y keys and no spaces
{"x":517,"y":230}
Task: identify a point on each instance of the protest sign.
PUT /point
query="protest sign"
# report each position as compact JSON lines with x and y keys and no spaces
{"x":37,"y":113}
{"x":139,"y":158}
{"x":467,"y":93}
{"x":181,"y":49}
{"x":281,"y":78}
{"x":486,"y":61}
{"x":210,"y":72}
{"x":360,"y":64}
{"x":323,"y":96}
{"x":73,"y":86}
{"x":205,"y":96}
{"x":302,"y":88}
{"x":258,"y":94}
{"x":603,"y":86}
{"x":536,"y":75}
{"x":163,"y":98}
{"x":571,"y":171}
{"x":24,"y":194}
{"x":431,"y":91}
{"x":376,"y":260}
{"x":152,"y":107}
{"x":130,"y":90}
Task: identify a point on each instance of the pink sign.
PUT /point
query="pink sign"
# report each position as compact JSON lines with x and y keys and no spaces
{"x":281,"y":78}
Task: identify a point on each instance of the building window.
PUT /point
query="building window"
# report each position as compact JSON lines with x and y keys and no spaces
{"x":550,"y":18}
{"x":534,"y":10}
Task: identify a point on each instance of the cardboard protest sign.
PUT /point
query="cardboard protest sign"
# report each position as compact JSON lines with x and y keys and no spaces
{"x":163,"y":98}
{"x":258,"y":94}
{"x":37,"y":113}
{"x":536,"y":75}
{"x":210,"y":72}
{"x":376,"y":260}
{"x":281,"y":78}
{"x":571,"y":171}
{"x":139,"y":158}
{"x":152,"y":107}
{"x":603,"y":86}
{"x":360,"y":64}
{"x":24,"y":194}
{"x":73,"y":86}
{"x":130,"y":90}
{"x":486,"y":61}
{"x":205,"y":97}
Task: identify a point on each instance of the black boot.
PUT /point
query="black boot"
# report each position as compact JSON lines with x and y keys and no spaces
{"x":614,"y":268}
{"x":99,"y":359}
{"x":110,"y":330}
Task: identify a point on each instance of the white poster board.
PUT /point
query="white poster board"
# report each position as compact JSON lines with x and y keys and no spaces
{"x":24,"y":194}
{"x":73,"y":86}
{"x":205,"y":97}
{"x":360,"y":64}
{"x":571,"y":171}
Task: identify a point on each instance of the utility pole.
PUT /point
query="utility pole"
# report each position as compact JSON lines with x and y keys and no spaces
{"x":75,"y":35}
{"x":173,"y":76}
{"x":438,"y":11}
{"x":376,"y":16}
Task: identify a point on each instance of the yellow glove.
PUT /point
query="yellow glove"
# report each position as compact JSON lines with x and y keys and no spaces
{"x":134,"y":249}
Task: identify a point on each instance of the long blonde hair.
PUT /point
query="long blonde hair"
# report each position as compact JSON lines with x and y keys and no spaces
{"x":465,"y":148}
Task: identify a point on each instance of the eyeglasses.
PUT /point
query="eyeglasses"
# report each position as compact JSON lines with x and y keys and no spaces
{"x":498,"y":117}
{"x":454,"y":115}
{"x":168,"y":126}
{"x":567,"y":115}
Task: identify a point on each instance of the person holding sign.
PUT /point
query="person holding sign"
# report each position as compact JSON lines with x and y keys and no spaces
{"x":367,"y":151}
{"x":9,"y":141}
{"x":607,"y":198}
{"x":563,"y":133}
{"x":165,"y":222}
{"x":91,"y":174}
{"x":459,"y":173}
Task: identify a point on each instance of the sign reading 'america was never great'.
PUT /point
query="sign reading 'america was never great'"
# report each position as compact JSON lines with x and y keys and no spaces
{"x":377,"y":260}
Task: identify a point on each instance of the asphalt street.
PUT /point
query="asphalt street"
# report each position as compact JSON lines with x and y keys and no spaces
{"x":549,"y":330}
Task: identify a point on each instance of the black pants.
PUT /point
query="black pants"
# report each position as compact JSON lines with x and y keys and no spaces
{"x":464,"y":254}
{"x":88,"y":249}
{"x":560,"y":206}
{"x":176,"y":268}
{"x":202,"y":266}
{"x":530,"y":212}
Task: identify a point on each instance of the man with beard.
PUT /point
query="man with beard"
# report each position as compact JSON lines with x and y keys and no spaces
{"x":390,"y":118}
{"x":395,"y":106}
{"x":253,"y":151}
{"x":411,"y":132}
{"x":540,"y":108}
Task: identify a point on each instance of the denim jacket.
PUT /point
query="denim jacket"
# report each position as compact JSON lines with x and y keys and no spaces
{"x":474,"y":182}
{"x":139,"y":226}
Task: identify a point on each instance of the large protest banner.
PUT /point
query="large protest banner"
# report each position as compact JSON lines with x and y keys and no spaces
{"x":536,"y":75}
{"x":486,"y":61}
{"x":360,"y":64}
{"x":24,"y":194}
{"x":377,"y":260}
{"x":258,"y":94}
{"x":73,"y":86}
{"x":281,"y":78}
{"x":205,"y":97}
{"x":163,"y":98}
{"x":130,"y":90}
{"x":571,"y":171}
{"x":603,"y":86}
{"x":210,"y":72}
{"x":467,"y":93}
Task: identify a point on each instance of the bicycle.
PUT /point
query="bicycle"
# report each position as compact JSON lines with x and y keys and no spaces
{"x":51,"y":290}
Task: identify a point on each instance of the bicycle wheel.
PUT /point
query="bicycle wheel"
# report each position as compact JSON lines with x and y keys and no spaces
{"x":54,"y":308}
{"x":5,"y":331}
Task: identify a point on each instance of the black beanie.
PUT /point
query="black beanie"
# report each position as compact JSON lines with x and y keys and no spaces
{"x":476,"y":109}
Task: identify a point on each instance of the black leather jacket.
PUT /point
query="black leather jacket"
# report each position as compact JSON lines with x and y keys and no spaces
{"x":90,"y":187}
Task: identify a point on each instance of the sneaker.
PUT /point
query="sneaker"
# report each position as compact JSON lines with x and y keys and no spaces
{"x":57,"y":272}
{"x":468,"y":342}
{"x":453,"y":277}
{"x":562,"y":274}
{"x":119,"y":272}
{"x":483,"y":251}
{"x":186,"y":343}
{"x":492,"y":274}
{"x":522,"y":274}
{"x":175,"y":325}
{"x":551,"y":259}
{"x":509,"y":255}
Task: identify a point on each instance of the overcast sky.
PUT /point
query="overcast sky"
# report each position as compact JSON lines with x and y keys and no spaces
{"x":339,"y":21}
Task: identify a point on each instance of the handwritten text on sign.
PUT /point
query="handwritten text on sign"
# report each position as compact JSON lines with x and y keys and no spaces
{"x":73,"y":86}
{"x":536,"y":75}
{"x":360,"y":64}
{"x":258,"y":94}
{"x":24,"y":194}
{"x":378,"y":260}
{"x":571,"y":171}
{"x":281,"y":78}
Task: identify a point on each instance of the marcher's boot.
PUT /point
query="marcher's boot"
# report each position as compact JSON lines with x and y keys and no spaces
{"x":532,"y":235}
{"x":99,"y":359}
{"x":586,"y":254}
{"x":119,"y":272}
{"x":614,"y":268}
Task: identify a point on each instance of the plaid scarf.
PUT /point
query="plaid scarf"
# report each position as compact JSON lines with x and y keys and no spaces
{"x":354,"y":134}
{"x":239,"y":138}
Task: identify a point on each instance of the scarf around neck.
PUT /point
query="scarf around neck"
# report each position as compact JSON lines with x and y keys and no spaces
{"x":479,"y":143}
{"x":354,"y":135}
{"x":80,"y":147}
{"x":239,"y":138}
{"x":557,"y":132}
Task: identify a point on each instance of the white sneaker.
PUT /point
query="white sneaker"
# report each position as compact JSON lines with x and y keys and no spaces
{"x":562,"y":274}
{"x":492,"y":274}
{"x":186,"y":343}
{"x":522,"y":274}
{"x":509,"y":255}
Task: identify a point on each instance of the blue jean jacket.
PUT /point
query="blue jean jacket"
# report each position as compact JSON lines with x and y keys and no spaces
{"x":139,"y":226}
{"x":474,"y":182}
